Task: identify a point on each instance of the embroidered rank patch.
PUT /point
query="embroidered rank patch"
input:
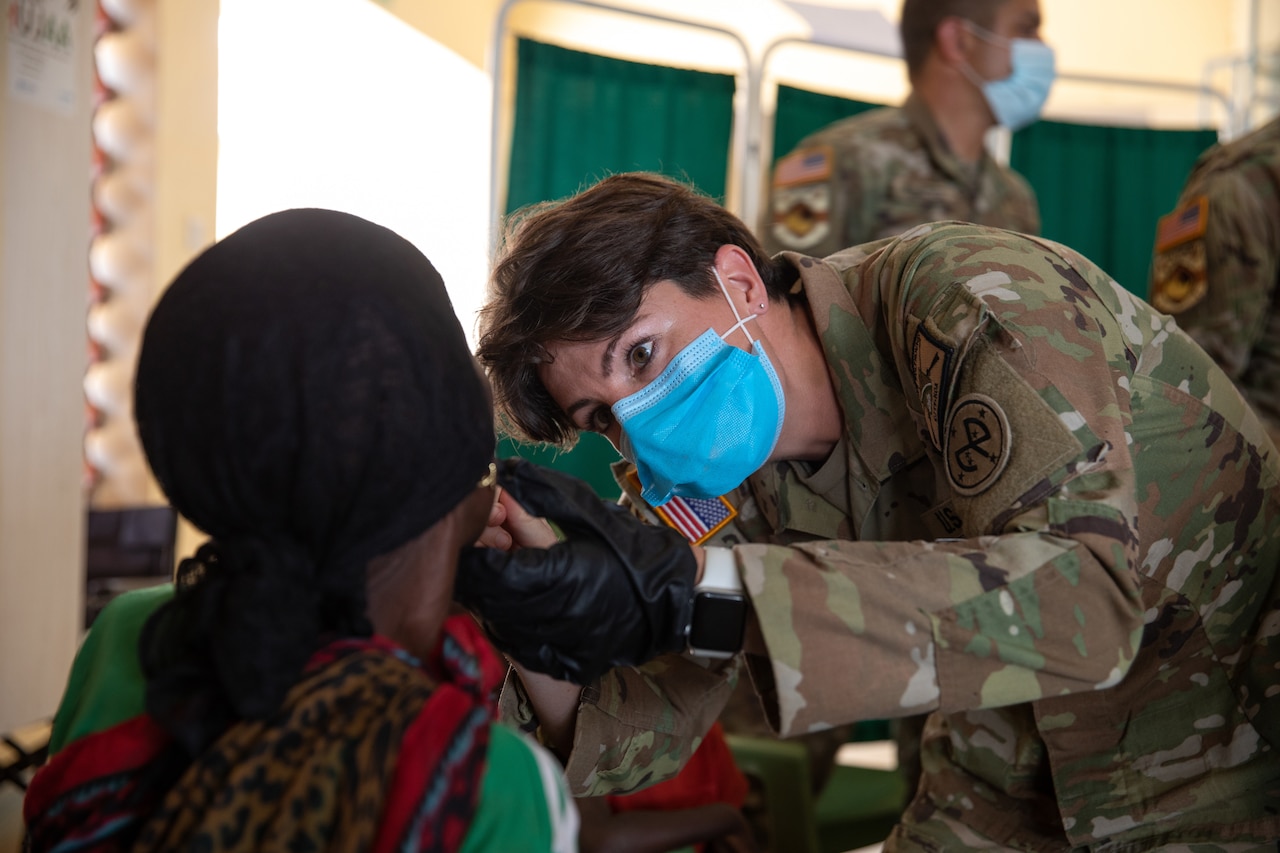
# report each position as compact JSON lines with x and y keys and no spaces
{"x":978,"y":442}
{"x":1183,"y":225}
{"x":696,"y":519}
{"x":931,"y":367}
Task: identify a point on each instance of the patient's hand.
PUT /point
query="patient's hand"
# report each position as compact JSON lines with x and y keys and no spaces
{"x":511,"y":526}
{"x":609,"y":591}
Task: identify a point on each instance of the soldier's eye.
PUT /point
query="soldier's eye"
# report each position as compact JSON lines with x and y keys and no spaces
{"x":601,"y":419}
{"x":641,"y":354}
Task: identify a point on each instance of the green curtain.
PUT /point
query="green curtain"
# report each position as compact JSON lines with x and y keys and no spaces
{"x":1101,"y":189}
{"x":580,"y":117}
{"x":800,"y":112}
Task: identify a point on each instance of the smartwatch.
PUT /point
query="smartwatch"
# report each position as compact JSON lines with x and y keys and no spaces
{"x":719,"y":608}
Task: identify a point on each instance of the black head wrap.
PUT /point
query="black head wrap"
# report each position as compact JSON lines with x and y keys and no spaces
{"x":306,"y":397}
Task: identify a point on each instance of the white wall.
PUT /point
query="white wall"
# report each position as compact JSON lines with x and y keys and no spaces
{"x":44,"y":238}
{"x":356,"y":110}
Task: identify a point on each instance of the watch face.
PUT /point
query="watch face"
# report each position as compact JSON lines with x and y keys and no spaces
{"x":719,"y":619}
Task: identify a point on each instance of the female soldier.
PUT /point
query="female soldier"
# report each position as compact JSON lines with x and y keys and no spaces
{"x":977,"y":477}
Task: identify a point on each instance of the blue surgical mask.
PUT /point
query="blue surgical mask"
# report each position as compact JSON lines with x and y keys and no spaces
{"x":1016,"y":100}
{"x":709,"y":420}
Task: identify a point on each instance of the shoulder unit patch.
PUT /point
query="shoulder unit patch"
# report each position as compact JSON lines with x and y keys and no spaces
{"x":978,"y":442}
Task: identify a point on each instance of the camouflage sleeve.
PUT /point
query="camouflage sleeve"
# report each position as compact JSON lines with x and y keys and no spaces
{"x":1219,"y":285}
{"x":858,"y":630}
{"x":636,"y":726}
{"x":1010,"y":381}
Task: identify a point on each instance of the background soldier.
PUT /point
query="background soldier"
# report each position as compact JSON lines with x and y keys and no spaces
{"x":1217,"y":263}
{"x":979,"y":479}
{"x":972,"y":64}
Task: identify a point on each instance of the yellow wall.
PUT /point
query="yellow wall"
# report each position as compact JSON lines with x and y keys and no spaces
{"x":186,"y":132}
{"x":464,"y":28}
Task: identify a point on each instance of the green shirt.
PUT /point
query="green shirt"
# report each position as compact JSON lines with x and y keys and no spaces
{"x":523,"y":803}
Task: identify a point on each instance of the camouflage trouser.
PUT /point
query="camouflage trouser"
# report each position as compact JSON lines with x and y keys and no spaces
{"x":944,"y":834}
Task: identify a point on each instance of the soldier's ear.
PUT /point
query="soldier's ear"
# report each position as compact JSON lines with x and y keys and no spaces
{"x":951,"y":41}
{"x":741,"y":278}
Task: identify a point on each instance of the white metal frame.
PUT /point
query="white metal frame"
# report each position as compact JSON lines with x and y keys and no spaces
{"x":738,"y":148}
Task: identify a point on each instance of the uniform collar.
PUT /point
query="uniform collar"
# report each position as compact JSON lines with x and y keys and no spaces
{"x":923,"y":123}
{"x":866,"y":381}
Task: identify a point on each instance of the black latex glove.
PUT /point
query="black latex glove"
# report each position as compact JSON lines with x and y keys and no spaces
{"x":616,"y":592}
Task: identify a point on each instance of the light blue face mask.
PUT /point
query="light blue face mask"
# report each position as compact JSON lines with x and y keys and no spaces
{"x":709,"y":420}
{"x":1016,"y":100}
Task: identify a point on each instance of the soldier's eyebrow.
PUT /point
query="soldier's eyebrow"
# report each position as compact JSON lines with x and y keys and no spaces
{"x":606,"y":358}
{"x":606,"y":369}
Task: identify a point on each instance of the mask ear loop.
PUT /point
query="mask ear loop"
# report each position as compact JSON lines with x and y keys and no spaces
{"x":990,"y":38}
{"x":742,"y":321}
{"x":985,"y":34}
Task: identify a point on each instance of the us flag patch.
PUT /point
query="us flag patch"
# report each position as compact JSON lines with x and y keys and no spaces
{"x":804,"y":167}
{"x":696,"y":519}
{"x":1184,"y":224}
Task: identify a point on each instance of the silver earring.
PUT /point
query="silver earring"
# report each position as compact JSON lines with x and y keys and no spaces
{"x":761,"y":306}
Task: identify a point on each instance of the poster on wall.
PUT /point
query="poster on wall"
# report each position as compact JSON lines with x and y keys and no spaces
{"x":42,"y":52}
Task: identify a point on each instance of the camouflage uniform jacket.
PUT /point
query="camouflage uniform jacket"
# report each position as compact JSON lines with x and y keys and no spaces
{"x":1217,"y":263}
{"x":879,"y":173}
{"x":1053,"y":524}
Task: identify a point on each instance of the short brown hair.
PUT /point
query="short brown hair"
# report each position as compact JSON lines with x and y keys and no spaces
{"x":576,"y":270}
{"x":920,"y":20}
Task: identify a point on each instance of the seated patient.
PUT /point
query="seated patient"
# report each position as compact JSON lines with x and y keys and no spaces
{"x":305,"y":396}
